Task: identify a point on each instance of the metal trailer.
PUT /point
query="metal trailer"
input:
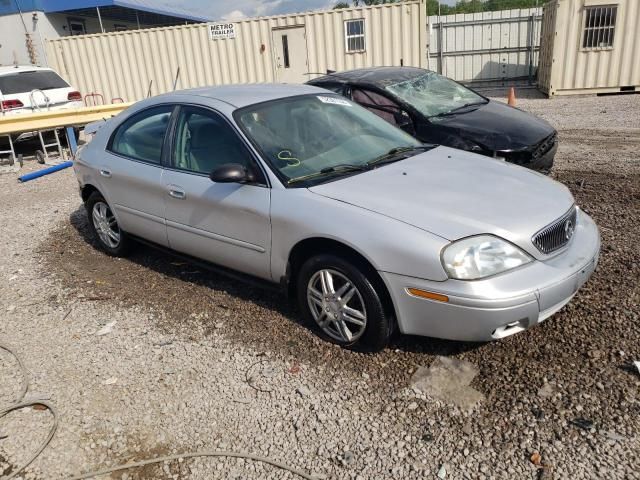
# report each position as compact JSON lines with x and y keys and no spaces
{"x":285,"y":48}
{"x":590,"y":46}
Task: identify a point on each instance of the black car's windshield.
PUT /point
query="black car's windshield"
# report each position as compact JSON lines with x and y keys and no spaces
{"x":432,"y":94}
{"x":310,"y":138}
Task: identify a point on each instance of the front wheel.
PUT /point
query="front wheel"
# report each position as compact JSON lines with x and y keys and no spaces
{"x":105,"y":228}
{"x":340,"y":299}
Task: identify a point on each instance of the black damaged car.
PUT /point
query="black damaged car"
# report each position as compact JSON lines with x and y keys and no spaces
{"x":436,"y":109}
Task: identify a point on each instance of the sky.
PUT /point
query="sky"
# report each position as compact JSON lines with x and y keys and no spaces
{"x":237,"y":9}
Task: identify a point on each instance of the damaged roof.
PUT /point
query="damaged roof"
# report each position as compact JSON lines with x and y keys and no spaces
{"x":375,"y":76}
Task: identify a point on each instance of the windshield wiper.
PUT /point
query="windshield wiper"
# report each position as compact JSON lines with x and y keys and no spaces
{"x":457,"y":109}
{"x":394,"y":154}
{"x":342,"y":168}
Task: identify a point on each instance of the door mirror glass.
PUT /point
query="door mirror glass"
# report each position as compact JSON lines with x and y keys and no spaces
{"x":232,"y":173}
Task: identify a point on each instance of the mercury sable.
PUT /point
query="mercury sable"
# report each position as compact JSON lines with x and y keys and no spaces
{"x":369,"y":229}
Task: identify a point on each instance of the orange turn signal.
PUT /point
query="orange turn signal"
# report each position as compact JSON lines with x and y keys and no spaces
{"x":430,"y":295}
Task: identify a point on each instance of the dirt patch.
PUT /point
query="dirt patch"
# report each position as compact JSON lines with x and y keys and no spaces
{"x":193,"y":302}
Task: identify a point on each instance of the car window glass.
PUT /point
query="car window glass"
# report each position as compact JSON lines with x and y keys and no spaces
{"x":379,"y":104}
{"x":432,"y":94}
{"x":24,"y":82}
{"x":305,"y":135}
{"x":141,"y":137}
{"x":205,"y":141}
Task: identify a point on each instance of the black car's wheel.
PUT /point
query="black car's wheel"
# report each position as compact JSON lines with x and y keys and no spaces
{"x":104,"y":226}
{"x":340,"y":299}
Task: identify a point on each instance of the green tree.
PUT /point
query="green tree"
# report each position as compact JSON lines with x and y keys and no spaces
{"x":473,"y":6}
{"x":461,"y":6}
{"x":432,"y":8}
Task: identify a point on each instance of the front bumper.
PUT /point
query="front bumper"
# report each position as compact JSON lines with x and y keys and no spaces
{"x":502,"y":305}
{"x":539,"y":157}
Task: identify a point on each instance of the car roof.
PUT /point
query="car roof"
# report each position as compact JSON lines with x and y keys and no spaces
{"x":250,"y":94}
{"x":375,"y":76}
{"x":8,"y":70}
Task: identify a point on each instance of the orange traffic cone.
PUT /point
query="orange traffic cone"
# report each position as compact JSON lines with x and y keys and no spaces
{"x":511,"y":99}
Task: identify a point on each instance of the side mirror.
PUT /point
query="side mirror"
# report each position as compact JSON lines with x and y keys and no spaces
{"x":403,"y":121}
{"x":232,"y":173}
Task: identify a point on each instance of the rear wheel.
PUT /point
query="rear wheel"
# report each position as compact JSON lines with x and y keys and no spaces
{"x":338,"y":298}
{"x":105,"y":228}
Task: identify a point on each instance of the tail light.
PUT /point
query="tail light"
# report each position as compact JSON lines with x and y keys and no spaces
{"x":11,"y":104}
{"x":74,"y":96}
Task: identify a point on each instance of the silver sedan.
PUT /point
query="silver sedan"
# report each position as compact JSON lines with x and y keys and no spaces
{"x":370,"y":230}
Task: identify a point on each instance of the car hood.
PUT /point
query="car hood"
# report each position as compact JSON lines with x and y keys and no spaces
{"x":497,"y":126}
{"x":455,"y":194}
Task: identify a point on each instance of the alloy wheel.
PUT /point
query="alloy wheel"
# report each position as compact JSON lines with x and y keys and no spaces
{"x":336,"y":305}
{"x":105,"y":224}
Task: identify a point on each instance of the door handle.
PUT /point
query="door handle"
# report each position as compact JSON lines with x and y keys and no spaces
{"x":177,"y":193}
{"x":105,"y":173}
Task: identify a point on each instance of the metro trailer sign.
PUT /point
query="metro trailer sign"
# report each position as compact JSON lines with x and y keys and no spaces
{"x":222,"y":30}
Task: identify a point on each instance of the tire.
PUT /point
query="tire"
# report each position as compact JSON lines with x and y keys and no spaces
{"x":367,"y":325}
{"x":98,"y":209}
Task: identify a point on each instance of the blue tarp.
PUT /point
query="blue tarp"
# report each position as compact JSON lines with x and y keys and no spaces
{"x":53,"y":6}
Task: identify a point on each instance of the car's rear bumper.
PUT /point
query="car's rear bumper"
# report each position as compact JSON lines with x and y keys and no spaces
{"x":499,"y":306}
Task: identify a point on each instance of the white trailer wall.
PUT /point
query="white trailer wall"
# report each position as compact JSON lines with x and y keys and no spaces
{"x":568,"y":67}
{"x":123,"y":64}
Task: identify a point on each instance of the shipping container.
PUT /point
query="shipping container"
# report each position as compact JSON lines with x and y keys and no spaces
{"x":288,"y":48}
{"x":590,"y":46}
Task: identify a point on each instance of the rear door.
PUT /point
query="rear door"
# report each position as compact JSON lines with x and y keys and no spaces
{"x":131,"y":173}
{"x":225,"y":223}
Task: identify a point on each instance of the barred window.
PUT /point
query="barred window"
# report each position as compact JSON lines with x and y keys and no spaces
{"x":354,"y":35}
{"x":599,"y":26}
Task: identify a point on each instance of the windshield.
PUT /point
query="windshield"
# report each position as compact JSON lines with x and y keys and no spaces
{"x":23,"y":82}
{"x":432,"y":94}
{"x":319,"y":136}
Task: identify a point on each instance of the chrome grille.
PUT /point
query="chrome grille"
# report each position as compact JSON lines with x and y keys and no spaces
{"x":555,"y":236}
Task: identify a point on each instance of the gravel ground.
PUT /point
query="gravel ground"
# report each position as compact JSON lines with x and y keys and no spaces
{"x":195,"y":361}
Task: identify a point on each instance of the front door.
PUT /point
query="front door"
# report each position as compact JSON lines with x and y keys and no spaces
{"x":225,"y":223}
{"x":291,"y":54}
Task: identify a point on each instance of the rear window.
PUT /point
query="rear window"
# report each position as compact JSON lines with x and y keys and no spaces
{"x":23,"y":82}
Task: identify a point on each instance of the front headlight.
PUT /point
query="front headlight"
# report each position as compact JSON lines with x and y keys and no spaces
{"x":482,"y":256}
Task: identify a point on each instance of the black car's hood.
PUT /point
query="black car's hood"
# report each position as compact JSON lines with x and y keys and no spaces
{"x":497,"y":126}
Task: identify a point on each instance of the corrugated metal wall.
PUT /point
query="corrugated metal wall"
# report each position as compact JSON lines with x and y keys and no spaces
{"x":547,"y":41}
{"x":573,"y":69}
{"x":485,"y":46}
{"x":123,"y":64}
